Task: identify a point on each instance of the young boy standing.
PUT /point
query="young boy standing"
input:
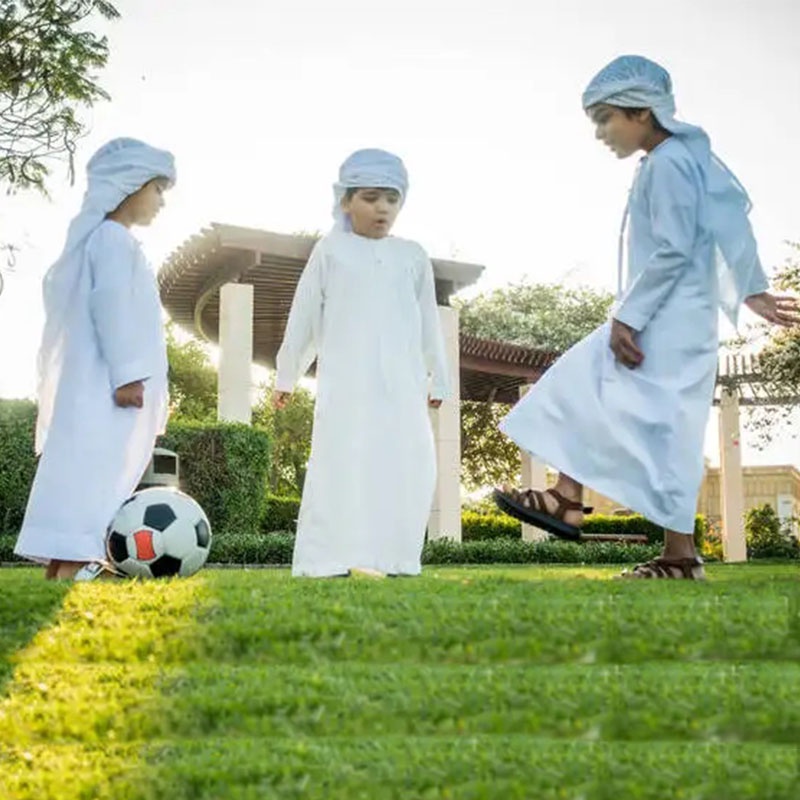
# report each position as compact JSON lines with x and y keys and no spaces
{"x":365,"y":308}
{"x":625,"y":410}
{"x":102,"y":365}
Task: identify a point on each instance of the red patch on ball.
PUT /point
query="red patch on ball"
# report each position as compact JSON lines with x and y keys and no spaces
{"x":144,"y":545}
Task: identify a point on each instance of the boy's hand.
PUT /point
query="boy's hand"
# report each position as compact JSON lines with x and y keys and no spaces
{"x":280,"y":399}
{"x":777,"y":309}
{"x":131,"y":395}
{"x":434,"y":403}
{"x":623,"y":343}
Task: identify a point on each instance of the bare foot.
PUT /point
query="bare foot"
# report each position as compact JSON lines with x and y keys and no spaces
{"x":366,"y":572}
{"x":66,"y":570}
{"x":51,"y":570}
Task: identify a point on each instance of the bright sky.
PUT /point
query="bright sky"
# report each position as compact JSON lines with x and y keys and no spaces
{"x":260,"y":102}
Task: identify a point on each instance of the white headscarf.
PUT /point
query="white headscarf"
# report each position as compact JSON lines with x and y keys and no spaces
{"x":637,"y":82}
{"x":370,"y":168}
{"x":118,"y":169}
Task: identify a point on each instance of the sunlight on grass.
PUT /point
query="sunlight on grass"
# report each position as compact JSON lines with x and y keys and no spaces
{"x":482,"y":682}
{"x":84,"y":690}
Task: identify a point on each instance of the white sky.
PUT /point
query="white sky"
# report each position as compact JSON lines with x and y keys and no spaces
{"x":261,"y":101}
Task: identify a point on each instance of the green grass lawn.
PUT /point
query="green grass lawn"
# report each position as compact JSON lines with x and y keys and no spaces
{"x":531,"y":682}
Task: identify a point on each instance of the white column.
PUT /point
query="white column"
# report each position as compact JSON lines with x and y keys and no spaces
{"x":534,"y":476}
{"x":445,"y":518}
{"x":235,"y":352}
{"x":734,"y":547}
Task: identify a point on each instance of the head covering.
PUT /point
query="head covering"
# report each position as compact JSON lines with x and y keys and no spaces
{"x":118,"y":169}
{"x":367,"y":169}
{"x":637,"y":82}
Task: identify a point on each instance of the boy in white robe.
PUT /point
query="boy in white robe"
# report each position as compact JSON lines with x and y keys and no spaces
{"x":365,"y":308}
{"x":102,"y":365}
{"x":625,"y":410}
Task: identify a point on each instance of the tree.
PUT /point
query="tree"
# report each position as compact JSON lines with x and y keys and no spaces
{"x":543,"y":316}
{"x":290,"y":436}
{"x":47,"y":64}
{"x":192,"y":380}
{"x":779,"y":359}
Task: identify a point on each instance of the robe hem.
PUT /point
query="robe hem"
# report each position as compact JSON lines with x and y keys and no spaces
{"x":605,"y":487}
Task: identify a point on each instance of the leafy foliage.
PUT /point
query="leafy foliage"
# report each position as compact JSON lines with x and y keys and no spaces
{"x":779,"y":363}
{"x":224,"y":466}
{"x":192,"y":380}
{"x":767,"y":537}
{"x":47,"y":63}
{"x":289,"y":430}
{"x":17,"y":461}
{"x":542,"y":316}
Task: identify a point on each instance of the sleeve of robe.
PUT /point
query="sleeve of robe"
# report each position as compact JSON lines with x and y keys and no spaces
{"x":114,"y":304}
{"x":758,"y":280}
{"x":432,"y":336}
{"x":674,"y":195}
{"x":299,"y":347}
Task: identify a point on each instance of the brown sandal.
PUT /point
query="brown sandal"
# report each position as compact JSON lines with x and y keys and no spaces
{"x":669,"y":569}
{"x":529,"y":506}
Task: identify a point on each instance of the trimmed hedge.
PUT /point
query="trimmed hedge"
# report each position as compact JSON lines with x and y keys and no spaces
{"x":510,"y":551}
{"x":480,"y":527}
{"x":17,"y":461}
{"x":281,"y":514}
{"x":276,"y":549}
{"x":225,"y":467}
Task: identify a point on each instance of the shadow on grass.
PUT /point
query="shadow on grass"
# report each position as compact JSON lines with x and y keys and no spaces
{"x":27,"y":604}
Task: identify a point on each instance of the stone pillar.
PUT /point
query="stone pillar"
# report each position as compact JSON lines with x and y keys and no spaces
{"x":534,"y":476}
{"x":235,"y":352}
{"x":445,"y":517}
{"x":731,"y":481}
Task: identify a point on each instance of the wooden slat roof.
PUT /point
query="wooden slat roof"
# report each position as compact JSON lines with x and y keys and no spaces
{"x":191,"y":277}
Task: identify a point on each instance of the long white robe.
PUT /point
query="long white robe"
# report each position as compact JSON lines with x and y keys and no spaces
{"x":366,"y":309}
{"x":96,"y":452}
{"x":637,"y":435}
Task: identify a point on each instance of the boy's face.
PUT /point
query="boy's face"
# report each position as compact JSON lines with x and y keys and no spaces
{"x":623,"y":134}
{"x":143,"y":206}
{"x":372,"y":211}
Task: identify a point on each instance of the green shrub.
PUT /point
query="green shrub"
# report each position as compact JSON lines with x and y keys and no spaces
{"x":224,"y":466}
{"x":281,"y":514}
{"x":17,"y":461}
{"x":766,"y":536}
{"x":510,"y":551}
{"x":276,"y":548}
{"x":479,"y":527}
{"x":245,"y":548}
{"x":7,"y":542}
{"x":476,"y":527}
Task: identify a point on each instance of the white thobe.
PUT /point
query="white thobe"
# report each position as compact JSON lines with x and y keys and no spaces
{"x":636,"y":435}
{"x":96,"y":452}
{"x":366,"y":309}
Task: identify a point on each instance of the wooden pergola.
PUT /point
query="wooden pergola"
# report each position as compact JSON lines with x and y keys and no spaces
{"x":191,"y":278}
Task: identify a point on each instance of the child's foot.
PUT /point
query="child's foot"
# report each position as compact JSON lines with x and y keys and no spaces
{"x":549,"y":510}
{"x":366,"y":572}
{"x":51,"y":570}
{"x":690,"y":568}
{"x":96,"y":570}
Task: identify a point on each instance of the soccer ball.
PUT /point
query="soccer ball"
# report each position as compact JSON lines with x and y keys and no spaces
{"x":158,"y":533}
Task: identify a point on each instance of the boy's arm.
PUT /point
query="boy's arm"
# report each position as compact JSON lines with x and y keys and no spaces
{"x":113,"y":306}
{"x":298,"y":350}
{"x":432,"y":337}
{"x":674,"y":201}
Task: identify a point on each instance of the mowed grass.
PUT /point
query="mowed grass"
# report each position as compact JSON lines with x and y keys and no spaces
{"x":465,"y":683}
